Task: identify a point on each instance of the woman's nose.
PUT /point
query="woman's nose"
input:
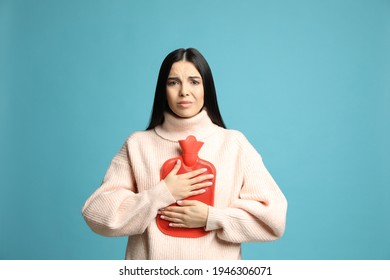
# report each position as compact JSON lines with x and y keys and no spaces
{"x":184,"y":91}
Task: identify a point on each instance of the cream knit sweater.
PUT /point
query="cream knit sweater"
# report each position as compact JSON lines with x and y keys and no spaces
{"x":248,"y":205}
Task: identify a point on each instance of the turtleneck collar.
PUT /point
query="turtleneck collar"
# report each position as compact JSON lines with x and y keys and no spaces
{"x":175,"y":128}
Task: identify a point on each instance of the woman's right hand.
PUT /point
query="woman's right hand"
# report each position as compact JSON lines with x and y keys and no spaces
{"x":187,"y":184}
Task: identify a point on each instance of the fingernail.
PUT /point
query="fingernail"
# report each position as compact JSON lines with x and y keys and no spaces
{"x":204,"y":169}
{"x":179,"y":202}
{"x":209,"y":183}
{"x":211,"y":176}
{"x":178,"y":161}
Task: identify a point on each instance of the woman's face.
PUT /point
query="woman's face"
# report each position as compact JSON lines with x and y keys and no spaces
{"x":185,"y":93}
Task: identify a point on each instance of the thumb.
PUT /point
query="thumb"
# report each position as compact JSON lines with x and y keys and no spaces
{"x":176,"y":168}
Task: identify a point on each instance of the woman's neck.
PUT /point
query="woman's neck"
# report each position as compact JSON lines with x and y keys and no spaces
{"x":175,"y":128}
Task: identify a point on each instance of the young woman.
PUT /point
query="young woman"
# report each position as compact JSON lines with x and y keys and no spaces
{"x":248,"y":205}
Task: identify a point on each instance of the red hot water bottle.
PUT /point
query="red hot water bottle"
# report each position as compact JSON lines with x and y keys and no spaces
{"x":190,"y":161}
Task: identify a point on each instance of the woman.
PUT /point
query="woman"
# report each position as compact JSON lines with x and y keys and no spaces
{"x":248,"y":205}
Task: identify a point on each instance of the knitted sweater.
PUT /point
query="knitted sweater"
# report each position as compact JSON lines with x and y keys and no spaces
{"x":248,"y":204}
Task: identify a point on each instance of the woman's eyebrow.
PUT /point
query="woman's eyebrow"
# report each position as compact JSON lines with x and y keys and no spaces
{"x":178,"y":79}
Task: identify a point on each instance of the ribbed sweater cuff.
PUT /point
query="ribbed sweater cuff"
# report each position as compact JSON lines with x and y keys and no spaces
{"x":164,"y":196}
{"x":214,"y":219}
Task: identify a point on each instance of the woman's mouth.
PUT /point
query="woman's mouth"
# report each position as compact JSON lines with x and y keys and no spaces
{"x":184,"y":104}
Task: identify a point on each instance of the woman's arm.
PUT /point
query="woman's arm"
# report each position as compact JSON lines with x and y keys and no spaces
{"x":117,"y":208}
{"x":259,"y":213}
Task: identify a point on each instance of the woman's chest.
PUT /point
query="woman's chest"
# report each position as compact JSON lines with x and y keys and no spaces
{"x":147,"y":159}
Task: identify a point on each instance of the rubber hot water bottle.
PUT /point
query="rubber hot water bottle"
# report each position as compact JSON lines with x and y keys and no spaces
{"x":190,"y":161}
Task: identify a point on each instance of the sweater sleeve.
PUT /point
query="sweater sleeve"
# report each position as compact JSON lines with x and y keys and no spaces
{"x":116,"y":208}
{"x":259,"y":213}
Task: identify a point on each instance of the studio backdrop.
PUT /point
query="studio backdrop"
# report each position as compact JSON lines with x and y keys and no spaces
{"x":306,"y":81}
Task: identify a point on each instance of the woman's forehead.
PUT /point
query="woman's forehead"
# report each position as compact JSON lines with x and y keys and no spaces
{"x":183,"y":69}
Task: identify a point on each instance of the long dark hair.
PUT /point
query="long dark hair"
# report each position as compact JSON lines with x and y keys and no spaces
{"x":160,"y":103}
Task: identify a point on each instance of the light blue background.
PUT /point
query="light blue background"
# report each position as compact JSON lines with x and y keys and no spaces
{"x":308,"y":83}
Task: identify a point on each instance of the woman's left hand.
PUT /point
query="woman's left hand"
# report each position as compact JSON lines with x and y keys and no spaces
{"x":189,"y":214}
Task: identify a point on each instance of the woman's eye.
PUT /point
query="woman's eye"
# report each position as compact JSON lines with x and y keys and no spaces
{"x":195,"y":82}
{"x":172,"y":83}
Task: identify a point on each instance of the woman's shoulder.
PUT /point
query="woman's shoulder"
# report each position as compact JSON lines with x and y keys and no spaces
{"x":134,"y":141}
{"x":233,"y":137}
{"x":241,"y":141}
{"x":140,"y":136}
{"x":235,"y":134}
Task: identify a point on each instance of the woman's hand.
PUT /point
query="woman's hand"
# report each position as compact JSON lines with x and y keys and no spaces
{"x":187,"y":184}
{"x":189,"y":214}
